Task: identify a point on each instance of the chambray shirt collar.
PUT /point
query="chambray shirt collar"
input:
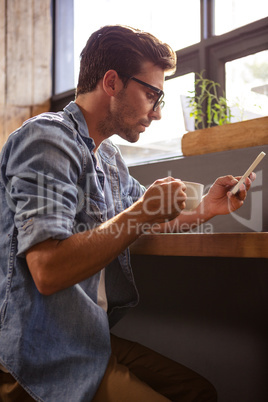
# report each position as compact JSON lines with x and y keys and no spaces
{"x":107,"y":150}
{"x":75,"y":114}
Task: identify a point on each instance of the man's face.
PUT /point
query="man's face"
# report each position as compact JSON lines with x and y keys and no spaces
{"x":132,"y":109}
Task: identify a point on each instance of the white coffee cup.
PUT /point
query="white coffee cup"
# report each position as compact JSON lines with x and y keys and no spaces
{"x":194,"y":192}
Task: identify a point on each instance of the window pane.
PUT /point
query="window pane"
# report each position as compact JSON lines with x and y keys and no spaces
{"x":163,"y":138}
{"x":247,"y":86}
{"x":232,"y":14}
{"x":174,"y":22}
{"x":64,"y":47}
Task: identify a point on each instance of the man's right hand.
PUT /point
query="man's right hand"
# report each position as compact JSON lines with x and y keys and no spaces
{"x":164,"y":200}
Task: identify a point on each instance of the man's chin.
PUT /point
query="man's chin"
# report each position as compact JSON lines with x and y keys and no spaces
{"x":136,"y":139}
{"x":132,"y":138}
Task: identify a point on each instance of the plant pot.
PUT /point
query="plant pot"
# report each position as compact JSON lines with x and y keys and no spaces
{"x":244,"y":134}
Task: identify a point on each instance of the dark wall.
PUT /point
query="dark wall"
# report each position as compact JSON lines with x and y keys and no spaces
{"x":209,"y":313}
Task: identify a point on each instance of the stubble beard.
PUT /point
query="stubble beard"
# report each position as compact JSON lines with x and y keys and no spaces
{"x":115,"y":121}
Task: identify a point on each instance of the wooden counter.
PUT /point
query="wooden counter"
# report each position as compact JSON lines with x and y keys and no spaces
{"x":249,"y":244}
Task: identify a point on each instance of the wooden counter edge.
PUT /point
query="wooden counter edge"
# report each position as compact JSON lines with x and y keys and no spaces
{"x":246,"y":245}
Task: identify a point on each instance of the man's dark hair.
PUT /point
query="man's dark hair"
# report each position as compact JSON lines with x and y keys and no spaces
{"x":124,"y":50}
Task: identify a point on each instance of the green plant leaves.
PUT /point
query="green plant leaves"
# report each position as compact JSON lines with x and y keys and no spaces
{"x":207,"y":106}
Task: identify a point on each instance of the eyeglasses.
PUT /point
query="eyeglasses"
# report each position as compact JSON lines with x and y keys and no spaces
{"x":159,"y":101}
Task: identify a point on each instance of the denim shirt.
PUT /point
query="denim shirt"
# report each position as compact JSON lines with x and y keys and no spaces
{"x":58,"y":346}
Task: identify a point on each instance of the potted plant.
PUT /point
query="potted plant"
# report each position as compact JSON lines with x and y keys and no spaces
{"x":208,"y":107}
{"x":214,"y":130}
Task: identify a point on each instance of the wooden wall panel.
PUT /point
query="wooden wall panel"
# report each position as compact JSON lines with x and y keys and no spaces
{"x":14,"y":117}
{"x":19,"y":52}
{"x":2,"y":54}
{"x":25,"y":62}
{"x":42,"y":49}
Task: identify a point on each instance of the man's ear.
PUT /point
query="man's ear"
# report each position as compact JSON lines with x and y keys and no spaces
{"x":111,"y":82}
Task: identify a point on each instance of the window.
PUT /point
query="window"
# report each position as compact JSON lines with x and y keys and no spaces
{"x":232,"y":14}
{"x":248,"y":77}
{"x":210,"y":35}
{"x":63,"y":68}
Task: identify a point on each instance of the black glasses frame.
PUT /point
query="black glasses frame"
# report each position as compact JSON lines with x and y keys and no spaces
{"x":159,"y":101}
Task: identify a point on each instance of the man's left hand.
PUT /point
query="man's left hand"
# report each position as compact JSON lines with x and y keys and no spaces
{"x":219,"y":198}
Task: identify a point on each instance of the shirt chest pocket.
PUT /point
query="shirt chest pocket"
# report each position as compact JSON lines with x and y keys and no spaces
{"x":92,"y":209}
{"x":95,"y":207}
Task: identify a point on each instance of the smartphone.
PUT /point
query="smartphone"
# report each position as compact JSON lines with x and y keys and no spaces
{"x":247,"y":173}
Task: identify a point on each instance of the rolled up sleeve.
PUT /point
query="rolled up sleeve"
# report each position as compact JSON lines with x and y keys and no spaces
{"x":42,"y":174}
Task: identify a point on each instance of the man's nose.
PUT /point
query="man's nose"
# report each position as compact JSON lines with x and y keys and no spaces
{"x":156,"y":115}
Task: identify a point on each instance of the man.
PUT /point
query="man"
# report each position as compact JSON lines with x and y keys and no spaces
{"x":69,"y":211}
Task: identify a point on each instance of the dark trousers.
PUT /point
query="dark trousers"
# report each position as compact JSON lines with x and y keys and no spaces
{"x":134,"y":374}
